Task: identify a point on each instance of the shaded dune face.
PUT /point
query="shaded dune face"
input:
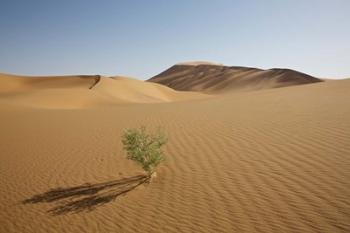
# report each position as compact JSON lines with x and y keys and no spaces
{"x":222,"y":79}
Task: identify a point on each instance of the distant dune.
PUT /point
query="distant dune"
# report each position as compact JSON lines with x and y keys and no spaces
{"x":214,"y":78}
{"x":84,"y":91}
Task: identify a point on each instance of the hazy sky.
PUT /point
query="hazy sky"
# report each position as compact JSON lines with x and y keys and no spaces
{"x":142,"y":38}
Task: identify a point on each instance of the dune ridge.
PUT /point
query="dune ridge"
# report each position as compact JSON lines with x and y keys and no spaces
{"x":218,"y":79}
{"x":83,"y":91}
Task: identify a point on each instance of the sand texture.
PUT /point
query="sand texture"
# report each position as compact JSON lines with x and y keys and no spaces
{"x":272,"y":160}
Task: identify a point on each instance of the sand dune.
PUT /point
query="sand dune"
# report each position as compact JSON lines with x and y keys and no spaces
{"x":83,"y":91}
{"x":213,"y":78}
{"x":274,"y":160}
{"x":15,"y":83}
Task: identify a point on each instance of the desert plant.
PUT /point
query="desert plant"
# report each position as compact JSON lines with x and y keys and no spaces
{"x":144,"y":148}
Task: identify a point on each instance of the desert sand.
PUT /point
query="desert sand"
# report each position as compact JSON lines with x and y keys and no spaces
{"x":240,"y":158}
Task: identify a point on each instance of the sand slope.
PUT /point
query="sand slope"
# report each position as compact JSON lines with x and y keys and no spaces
{"x":212,"y":78}
{"x":70,"y":92}
{"x":131,"y":90}
{"x":274,"y":160}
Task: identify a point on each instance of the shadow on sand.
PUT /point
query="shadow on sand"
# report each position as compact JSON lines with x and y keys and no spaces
{"x":86,"y":197}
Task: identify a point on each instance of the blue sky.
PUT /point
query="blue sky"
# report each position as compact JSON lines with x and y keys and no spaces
{"x":143,"y":38}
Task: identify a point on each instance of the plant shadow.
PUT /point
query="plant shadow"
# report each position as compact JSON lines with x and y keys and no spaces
{"x":86,"y":197}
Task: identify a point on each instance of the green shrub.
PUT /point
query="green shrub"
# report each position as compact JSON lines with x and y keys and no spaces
{"x":144,"y":148}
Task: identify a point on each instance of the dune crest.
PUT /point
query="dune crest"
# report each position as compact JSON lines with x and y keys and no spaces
{"x":197,"y":63}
